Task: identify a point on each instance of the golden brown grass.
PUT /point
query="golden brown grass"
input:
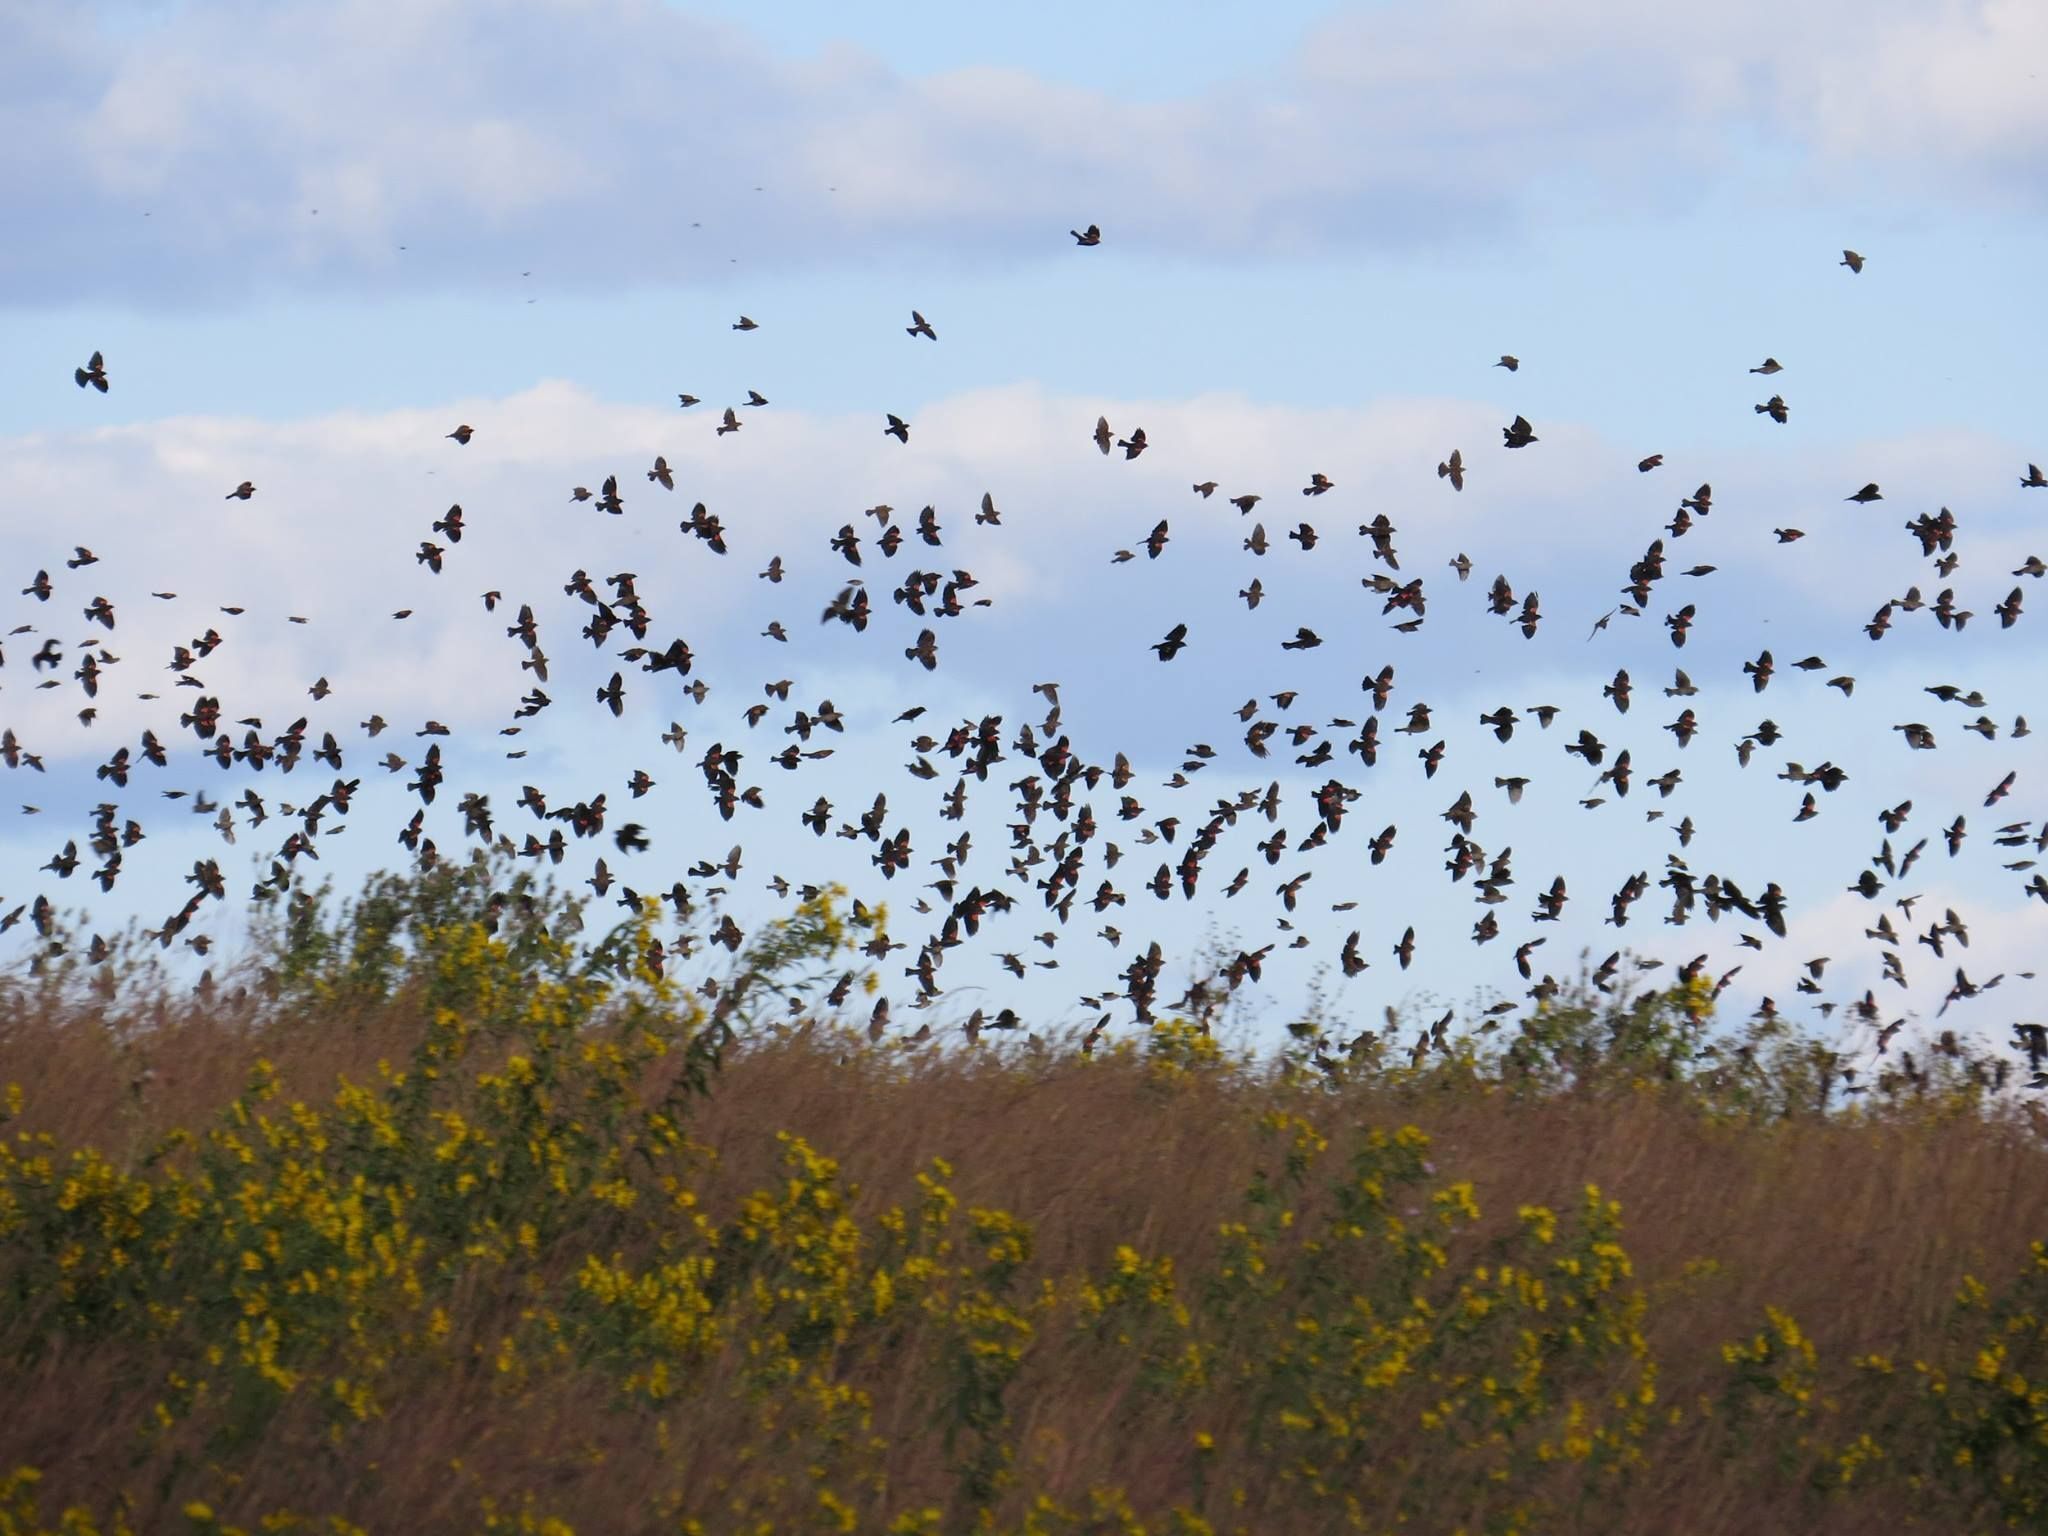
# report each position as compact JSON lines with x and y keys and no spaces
{"x":1861,"y":1228}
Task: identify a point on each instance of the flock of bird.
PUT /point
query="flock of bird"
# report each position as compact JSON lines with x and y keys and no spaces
{"x":1073,"y":818}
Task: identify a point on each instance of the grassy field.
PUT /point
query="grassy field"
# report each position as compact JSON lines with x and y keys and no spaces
{"x":428,"y":1218}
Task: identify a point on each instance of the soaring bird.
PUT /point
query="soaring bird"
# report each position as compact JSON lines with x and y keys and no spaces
{"x":1851,"y":260}
{"x":1869,"y":492}
{"x":898,"y":428}
{"x":1518,"y":433}
{"x":1775,"y":408}
{"x":93,"y":373}
{"x":744,"y":324}
{"x":1170,"y":647}
{"x":1092,"y":235}
{"x":1770,"y":365}
{"x":1508,"y":362}
{"x":1453,"y":470}
{"x":731,"y":422}
{"x":919,"y":326}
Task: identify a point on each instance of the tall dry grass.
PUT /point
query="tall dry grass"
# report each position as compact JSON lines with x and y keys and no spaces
{"x":1809,"y":1319}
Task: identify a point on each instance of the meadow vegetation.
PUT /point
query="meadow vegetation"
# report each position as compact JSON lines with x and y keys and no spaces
{"x":441,"y":1212}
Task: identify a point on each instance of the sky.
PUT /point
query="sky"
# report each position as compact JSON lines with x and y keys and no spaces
{"x":312,"y":240}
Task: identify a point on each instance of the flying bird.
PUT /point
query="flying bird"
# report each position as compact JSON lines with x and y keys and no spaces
{"x":1072,"y":817}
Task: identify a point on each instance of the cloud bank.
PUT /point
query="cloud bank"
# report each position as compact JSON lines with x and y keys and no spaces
{"x":181,"y":155}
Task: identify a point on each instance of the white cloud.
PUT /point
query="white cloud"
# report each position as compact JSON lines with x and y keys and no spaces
{"x":344,"y":500}
{"x":1956,"y":86}
{"x":625,"y":140}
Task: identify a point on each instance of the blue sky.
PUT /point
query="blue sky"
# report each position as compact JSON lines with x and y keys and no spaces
{"x":1322,"y":224}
